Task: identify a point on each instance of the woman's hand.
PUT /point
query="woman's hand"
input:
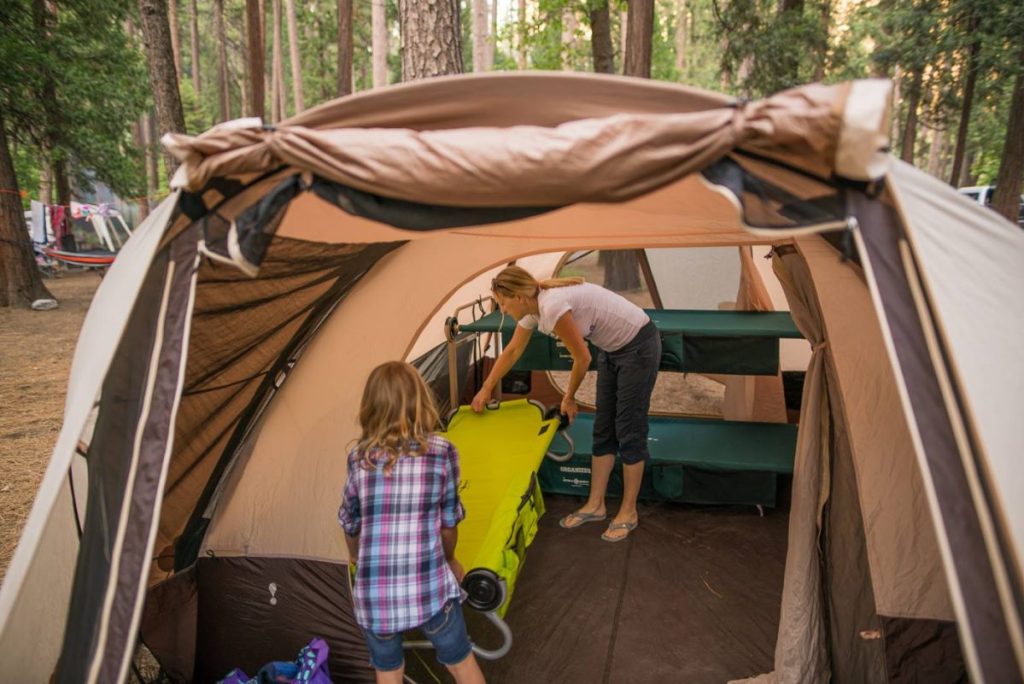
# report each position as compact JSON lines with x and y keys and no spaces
{"x":569,"y":408}
{"x":480,"y":400}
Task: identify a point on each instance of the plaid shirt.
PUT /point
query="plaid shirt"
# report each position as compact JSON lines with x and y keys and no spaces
{"x":402,"y":578}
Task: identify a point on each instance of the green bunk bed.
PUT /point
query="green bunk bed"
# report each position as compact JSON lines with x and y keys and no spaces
{"x":692,"y":460}
{"x":720,"y":342}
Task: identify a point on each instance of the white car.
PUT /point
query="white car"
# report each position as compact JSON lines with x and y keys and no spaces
{"x":983,"y":194}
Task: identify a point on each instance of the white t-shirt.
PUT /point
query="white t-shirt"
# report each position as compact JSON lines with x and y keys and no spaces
{"x":607,"y":319}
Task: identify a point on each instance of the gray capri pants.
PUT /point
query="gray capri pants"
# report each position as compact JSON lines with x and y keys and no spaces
{"x":625,"y":380}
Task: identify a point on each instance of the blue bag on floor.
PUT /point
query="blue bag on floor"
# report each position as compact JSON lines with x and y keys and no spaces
{"x":310,"y":668}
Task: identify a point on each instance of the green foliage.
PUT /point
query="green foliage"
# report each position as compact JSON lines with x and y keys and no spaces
{"x":767,"y":50}
{"x":97,"y":85}
{"x":197,"y":117}
{"x":544,"y":35}
{"x":28,"y":172}
{"x":663,"y":42}
{"x":746,"y":47}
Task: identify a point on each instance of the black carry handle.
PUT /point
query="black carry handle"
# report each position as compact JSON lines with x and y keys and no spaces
{"x":563,"y":431}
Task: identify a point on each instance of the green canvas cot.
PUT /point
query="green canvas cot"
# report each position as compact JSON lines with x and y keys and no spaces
{"x":692,"y":461}
{"x":724,"y":342}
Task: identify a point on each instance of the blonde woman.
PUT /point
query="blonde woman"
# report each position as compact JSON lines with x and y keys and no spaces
{"x":400,"y":511}
{"x":627,"y":366}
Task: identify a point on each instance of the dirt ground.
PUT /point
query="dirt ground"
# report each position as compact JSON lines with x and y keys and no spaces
{"x":37,"y":347}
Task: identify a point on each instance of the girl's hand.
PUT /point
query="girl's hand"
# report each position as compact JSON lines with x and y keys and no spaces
{"x":457,"y":569}
{"x":569,"y":408}
{"x":480,"y":400}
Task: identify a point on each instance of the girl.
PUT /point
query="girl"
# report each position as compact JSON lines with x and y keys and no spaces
{"x":400,"y":511}
{"x":627,"y":366}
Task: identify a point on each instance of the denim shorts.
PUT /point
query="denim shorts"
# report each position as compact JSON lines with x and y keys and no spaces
{"x":625,"y":380}
{"x":446,"y":630}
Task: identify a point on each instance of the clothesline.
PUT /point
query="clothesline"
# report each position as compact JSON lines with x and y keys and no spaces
{"x":24,"y":194}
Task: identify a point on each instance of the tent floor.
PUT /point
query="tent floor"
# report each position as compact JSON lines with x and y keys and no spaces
{"x":693,"y":596}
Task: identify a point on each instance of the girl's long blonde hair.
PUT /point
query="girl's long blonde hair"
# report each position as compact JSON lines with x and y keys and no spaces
{"x":397,"y":415}
{"x":515,"y":280}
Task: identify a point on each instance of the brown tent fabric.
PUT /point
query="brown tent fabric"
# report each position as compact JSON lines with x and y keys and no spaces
{"x":523,"y":165}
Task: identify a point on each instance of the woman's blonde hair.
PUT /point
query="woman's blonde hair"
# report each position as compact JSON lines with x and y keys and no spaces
{"x":515,"y":280}
{"x":397,"y":415}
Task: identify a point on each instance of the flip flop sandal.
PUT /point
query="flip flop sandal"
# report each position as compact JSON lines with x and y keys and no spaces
{"x":582,"y":519}
{"x":628,"y":526}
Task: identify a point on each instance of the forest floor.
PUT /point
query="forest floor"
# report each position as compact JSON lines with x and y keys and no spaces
{"x":34,"y":365}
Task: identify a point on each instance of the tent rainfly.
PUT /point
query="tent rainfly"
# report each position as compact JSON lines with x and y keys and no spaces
{"x":212,"y":386}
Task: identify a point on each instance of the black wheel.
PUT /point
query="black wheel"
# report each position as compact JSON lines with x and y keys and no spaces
{"x":486,"y":590}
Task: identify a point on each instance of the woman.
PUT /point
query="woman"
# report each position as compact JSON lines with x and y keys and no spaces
{"x":627,"y":366}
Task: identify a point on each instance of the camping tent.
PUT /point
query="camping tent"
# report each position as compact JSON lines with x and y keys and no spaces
{"x":220,"y":362}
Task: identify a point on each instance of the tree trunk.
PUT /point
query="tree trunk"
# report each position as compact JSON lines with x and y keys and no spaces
{"x":621,"y":269}
{"x":640,"y":28}
{"x":1011,"y":171}
{"x":194,"y":36}
{"x":492,"y":35}
{"x":601,"y":39}
{"x":910,"y":129}
{"x":172,"y":22}
{"x":254,"y":34}
{"x":479,"y":34}
{"x":139,"y":138}
{"x":45,"y":184}
{"x":222,"y":60}
{"x":970,"y":80}
{"x":20,"y":281}
{"x":431,"y":38}
{"x":45,"y":19}
{"x":682,"y":31}
{"x":826,"y":22}
{"x":897,"y":101}
{"x":277,"y":95}
{"x":521,"y":35}
{"x":569,"y":25}
{"x":623,"y":30}
{"x":379,"y":19}
{"x":293,"y":53}
{"x":935,"y":156}
{"x":61,"y":183}
{"x":966,"y":175}
{"x":149,"y":135}
{"x":163,"y":79}
{"x":345,"y":47}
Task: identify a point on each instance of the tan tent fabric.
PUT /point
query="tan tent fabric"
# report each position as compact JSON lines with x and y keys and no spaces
{"x":753,"y":397}
{"x":832,"y":307}
{"x":865,"y":135}
{"x":980,"y":317}
{"x":533,"y":98}
{"x":312,"y":418}
{"x":686,"y":212}
{"x":903,"y":554}
{"x":526,"y":165}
